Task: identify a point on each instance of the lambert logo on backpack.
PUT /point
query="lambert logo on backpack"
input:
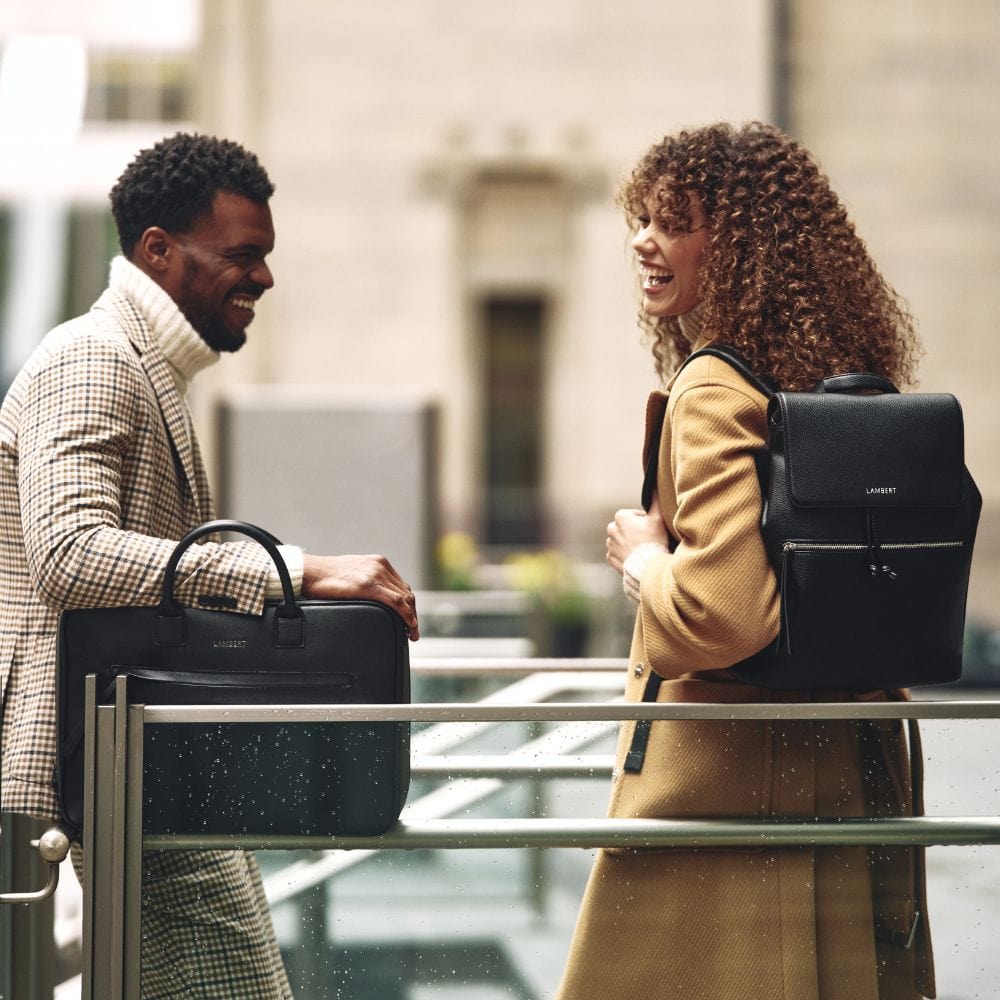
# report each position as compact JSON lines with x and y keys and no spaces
{"x":873,"y":591}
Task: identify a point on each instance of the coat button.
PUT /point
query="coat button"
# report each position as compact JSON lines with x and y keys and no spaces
{"x":637,"y":670}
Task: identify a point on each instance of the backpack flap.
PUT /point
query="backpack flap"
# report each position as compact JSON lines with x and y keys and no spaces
{"x":879,"y":451}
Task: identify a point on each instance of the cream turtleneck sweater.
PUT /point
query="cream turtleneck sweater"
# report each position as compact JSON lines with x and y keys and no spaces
{"x":183,"y":348}
{"x":187,"y":354}
{"x":693,"y":325}
{"x":693,"y":328}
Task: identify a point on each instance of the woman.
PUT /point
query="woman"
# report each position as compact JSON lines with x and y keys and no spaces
{"x":739,"y":240}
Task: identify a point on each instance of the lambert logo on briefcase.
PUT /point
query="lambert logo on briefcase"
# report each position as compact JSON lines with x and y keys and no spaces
{"x":230,"y":643}
{"x":880,"y":489}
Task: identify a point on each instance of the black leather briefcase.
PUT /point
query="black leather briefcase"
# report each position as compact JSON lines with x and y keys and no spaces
{"x":256,"y":778}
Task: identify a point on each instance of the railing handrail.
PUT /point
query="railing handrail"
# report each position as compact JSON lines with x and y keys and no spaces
{"x":593,"y":833}
{"x":595,"y":711}
{"x":589,"y":833}
{"x":506,"y":666}
{"x":511,"y":766}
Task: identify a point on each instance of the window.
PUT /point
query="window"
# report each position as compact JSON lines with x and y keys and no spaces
{"x":139,"y":87}
{"x":513,"y":349}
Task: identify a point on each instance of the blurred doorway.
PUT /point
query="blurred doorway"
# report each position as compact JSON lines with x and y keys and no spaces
{"x":514,"y":333}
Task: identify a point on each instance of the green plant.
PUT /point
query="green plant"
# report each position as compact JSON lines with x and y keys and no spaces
{"x":456,"y":558}
{"x":549,"y":577}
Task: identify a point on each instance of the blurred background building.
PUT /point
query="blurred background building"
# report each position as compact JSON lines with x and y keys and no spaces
{"x":445,"y":176}
{"x":448,"y":250}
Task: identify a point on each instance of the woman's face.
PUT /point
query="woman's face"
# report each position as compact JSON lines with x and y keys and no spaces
{"x":669,"y":261}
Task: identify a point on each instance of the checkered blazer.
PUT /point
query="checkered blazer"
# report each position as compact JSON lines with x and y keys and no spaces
{"x":99,"y":476}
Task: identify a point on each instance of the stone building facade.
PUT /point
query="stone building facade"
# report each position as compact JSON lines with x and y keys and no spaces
{"x":446,"y":167}
{"x":445,"y":216}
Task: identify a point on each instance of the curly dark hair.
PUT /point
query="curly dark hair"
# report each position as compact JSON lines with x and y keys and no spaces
{"x":173,"y":182}
{"x":785,"y":277}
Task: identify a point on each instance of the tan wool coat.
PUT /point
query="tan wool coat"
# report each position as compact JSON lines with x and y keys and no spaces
{"x":740,"y":924}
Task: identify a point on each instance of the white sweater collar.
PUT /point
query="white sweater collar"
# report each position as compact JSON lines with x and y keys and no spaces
{"x":182,"y":346}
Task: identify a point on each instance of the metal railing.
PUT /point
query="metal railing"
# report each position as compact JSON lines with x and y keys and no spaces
{"x":595,"y":833}
{"x":114,"y":838}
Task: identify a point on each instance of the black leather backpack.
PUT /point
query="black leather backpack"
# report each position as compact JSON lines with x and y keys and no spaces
{"x":869,"y":520}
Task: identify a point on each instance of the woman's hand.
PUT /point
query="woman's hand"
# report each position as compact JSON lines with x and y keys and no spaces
{"x":630,"y":529}
{"x":372,"y":578}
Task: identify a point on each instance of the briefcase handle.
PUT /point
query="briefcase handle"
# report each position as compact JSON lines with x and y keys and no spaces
{"x":289,"y":620}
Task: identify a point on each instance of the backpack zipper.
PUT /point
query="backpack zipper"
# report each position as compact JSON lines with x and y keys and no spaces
{"x":861,"y":546}
{"x":789,"y":548}
{"x":251,"y":680}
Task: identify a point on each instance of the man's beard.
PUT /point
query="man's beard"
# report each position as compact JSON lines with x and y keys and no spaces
{"x":216,"y":335}
{"x":207,"y":324}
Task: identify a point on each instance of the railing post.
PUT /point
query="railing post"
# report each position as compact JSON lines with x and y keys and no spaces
{"x":27,"y":946}
{"x":118,"y":828}
{"x":99,"y":975}
{"x":132,"y":850}
{"x":537,"y":859}
{"x":314,"y":916}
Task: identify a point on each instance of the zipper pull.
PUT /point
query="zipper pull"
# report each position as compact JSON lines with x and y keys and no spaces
{"x":873,"y":546}
{"x":875,"y":565}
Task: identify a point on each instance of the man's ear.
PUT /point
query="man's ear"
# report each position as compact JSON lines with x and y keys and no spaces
{"x":154,"y":251}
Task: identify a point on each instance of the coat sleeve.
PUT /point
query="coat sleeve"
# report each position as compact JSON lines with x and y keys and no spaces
{"x":713,"y":601}
{"x":86,"y":416}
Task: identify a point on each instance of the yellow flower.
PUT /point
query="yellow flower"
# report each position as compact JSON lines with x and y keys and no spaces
{"x":456,"y":557}
{"x":548,"y":576}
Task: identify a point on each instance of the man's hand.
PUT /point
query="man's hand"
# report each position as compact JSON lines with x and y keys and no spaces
{"x":370,"y":578}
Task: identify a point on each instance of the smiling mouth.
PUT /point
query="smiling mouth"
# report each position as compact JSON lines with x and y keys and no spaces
{"x":242,"y":302}
{"x":655,"y":279}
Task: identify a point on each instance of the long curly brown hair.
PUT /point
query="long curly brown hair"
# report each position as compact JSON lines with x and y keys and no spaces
{"x":786,"y":279}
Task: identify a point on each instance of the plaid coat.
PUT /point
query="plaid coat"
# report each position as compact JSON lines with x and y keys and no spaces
{"x":99,"y":475}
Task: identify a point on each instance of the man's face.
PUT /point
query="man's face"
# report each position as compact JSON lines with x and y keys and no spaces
{"x":218,"y":271}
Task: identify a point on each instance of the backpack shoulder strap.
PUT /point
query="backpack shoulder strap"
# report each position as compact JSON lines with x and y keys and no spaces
{"x":764,"y":385}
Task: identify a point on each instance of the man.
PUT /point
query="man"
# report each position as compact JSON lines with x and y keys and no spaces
{"x":100,"y":474}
